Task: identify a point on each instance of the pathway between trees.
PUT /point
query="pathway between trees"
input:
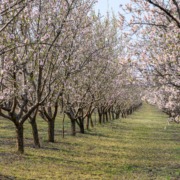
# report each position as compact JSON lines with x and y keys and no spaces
{"x":150,"y":147}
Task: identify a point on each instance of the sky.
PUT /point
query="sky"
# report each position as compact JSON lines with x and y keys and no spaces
{"x":108,"y":5}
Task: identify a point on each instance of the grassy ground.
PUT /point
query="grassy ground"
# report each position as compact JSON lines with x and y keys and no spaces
{"x":141,"y":147}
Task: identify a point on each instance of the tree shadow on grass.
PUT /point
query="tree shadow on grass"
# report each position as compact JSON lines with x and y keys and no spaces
{"x":97,"y":134}
{"x":10,"y":157}
{"x":6,"y":141}
{"x":3,"y":177}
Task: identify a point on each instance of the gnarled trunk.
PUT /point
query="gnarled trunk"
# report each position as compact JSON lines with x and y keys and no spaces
{"x":20,"y":138}
{"x":51,"y":126}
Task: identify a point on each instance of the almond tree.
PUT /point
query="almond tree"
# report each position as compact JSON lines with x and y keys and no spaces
{"x":71,"y":47}
{"x":81,"y":89}
{"x":95,"y":86}
{"x":29,"y":64}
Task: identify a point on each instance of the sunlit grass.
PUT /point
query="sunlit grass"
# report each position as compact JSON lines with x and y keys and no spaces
{"x":140,"y":147}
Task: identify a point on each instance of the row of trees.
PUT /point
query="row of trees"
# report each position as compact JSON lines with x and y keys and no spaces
{"x":155,"y":25}
{"x":60,"y":56}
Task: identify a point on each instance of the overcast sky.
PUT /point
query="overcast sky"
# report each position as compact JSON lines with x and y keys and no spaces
{"x":108,"y":5}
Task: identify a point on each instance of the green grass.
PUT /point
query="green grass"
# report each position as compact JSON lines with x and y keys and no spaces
{"x":139,"y":147}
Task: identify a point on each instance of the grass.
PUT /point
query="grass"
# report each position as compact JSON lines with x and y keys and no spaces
{"x":141,"y":147}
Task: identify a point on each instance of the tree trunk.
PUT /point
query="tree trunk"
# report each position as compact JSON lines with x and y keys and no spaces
{"x":73,"y":127}
{"x":103,"y":117}
{"x":35,"y":133}
{"x":109,"y":113}
{"x":87,"y":122}
{"x":51,"y":130}
{"x":117,"y":114}
{"x":20,"y":138}
{"x":112,"y":115}
{"x":92,"y":124}
{"x":81,"y":126}
{"x":100,"y":117}
{"x":125,"y":114}
{"x":106,"y":115}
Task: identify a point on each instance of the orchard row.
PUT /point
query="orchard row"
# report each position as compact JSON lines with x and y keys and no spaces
{"x":60,"y":56}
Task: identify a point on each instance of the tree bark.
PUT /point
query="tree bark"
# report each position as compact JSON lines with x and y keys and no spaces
{"x":92,"y":124}
{"x":81,"y":126}
{"x":20,"y":138}
{"x":35,"y":133}
{"x":51,"y":125}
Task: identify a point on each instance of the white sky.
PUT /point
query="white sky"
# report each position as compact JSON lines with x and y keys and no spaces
{"x":108,"y":5}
